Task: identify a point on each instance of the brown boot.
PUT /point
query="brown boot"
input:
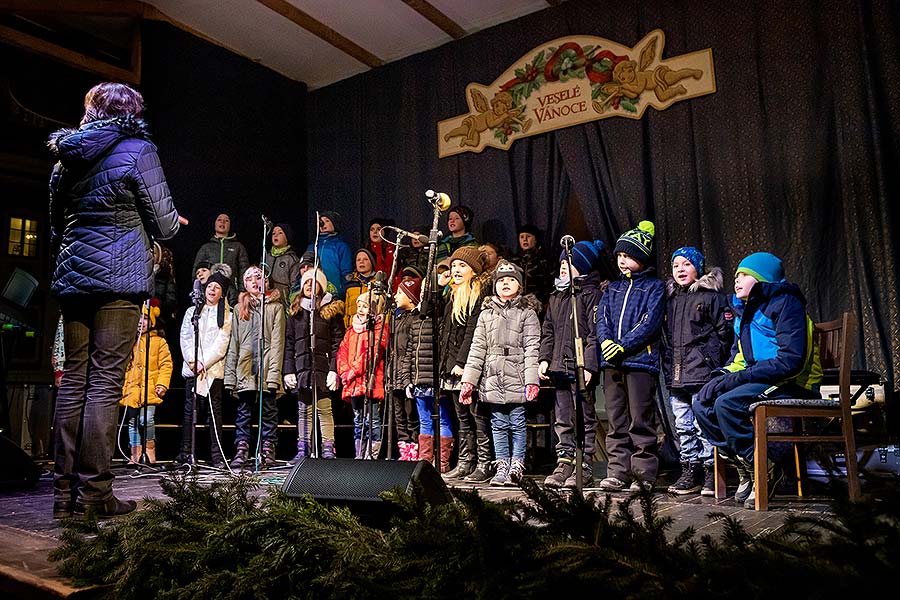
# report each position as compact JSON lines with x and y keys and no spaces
{"x":136,"y":452}
{"x":426,"y":447}
{"x":446,"y":450}
{"x":151,"y":451}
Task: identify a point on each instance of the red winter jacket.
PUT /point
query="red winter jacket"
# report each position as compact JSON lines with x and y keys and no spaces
{"x":351,"y":361}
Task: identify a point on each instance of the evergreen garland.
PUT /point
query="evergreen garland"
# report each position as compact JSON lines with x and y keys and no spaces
{"x":226,"y":540}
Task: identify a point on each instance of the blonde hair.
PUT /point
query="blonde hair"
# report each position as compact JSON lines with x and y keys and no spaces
{"x":465,"y":296}
{"x":376,"y":302}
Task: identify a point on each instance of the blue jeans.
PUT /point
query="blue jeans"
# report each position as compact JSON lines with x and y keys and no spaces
{"x":99,"y":335}
{"x":247,"y":399}
{"x":135,"y":419}
{"x":424,"y":402}
{"x":726,"y":423}
{"x":508,"y":421}
{"x":362,"y":426}
{"x":693,"y":445}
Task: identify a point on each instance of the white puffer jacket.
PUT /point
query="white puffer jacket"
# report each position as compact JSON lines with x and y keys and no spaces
{"x":213,"y":341}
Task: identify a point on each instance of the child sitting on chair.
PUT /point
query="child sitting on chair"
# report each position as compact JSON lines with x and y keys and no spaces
{"x":773,"y":357}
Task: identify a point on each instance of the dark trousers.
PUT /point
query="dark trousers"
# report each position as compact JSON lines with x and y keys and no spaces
{"x":243,"y":422}
{"x":631,"y":441}
{"x":213,"y":418}
{"x":406,"y":416}
{"x":474,"y":430}
{"x":726,"y":422}
{"x":99,"y":335}
{"x":564,"y":408}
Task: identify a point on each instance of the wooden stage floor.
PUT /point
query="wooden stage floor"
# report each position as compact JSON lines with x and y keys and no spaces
{"x":28,"y":532}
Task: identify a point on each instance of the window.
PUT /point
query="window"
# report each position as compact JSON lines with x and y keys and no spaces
{"x":23,"y":237}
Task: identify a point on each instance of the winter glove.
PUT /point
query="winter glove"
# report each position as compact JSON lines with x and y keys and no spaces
{"x":457,"y":371}
{"x":719,"y":372}
{"x":331,"y":381}
{"x":712,"y":390}
{"x":542,"y":369}
{"x":531,"y":392}
{"x":610,"y":350}
{"x":290,"y":381}
{"x":587,"y":377}
{"x":348,"y":376}
{"x":160,"y":391}
{"x":465,"y":396}
{"x":409,"y":391}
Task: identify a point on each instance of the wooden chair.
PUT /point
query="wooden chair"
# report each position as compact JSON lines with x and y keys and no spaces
{"x":836,"y":342}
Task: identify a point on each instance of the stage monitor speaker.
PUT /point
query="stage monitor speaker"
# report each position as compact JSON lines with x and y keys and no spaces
{"x":357,"y":484}
{"x":17,"y":470}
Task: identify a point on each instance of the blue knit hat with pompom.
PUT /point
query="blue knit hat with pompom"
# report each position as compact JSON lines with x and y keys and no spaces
{"x":585,"y":256}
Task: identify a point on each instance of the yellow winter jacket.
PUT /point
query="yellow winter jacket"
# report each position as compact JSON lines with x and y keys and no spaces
{"x":160,"y":371}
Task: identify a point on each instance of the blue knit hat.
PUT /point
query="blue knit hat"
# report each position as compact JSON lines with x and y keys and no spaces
{"x":585,"y":256}
{"x":763,"y":267}
{"x":693,"y":255}
{"x":638,"y":242}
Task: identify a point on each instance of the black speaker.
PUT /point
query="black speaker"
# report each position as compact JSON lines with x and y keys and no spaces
{"x":18,"y":470}
{"x":356,"y":484}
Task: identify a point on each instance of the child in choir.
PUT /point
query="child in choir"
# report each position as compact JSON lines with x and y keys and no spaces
{"x":159,"y":369}
{"x":303,"y":370}
{"x":629,"y":324}
{"x":417,"y":368}
{"x":363,"y":388}
{"x":503,"y":363}
{"x":250,"y":375}
{"x":696,"y":341}
{"x":359,"y":281}
{"x":468,"y":288}
{"x":213,"y":337}
{"x":774,"y":355}
{"x":406,"y":420}
{"x":557,"y":359}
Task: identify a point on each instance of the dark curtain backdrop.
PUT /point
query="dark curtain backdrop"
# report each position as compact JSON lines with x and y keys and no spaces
{"x":230,"y":137}
{"x":796,"y":153}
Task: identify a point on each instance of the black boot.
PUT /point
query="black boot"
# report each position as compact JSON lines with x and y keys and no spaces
{"x":241,"y":455}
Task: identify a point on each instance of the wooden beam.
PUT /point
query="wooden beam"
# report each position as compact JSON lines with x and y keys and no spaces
{"x":319,"y":29}
{"x":69,"y":57}
{"x":112,"y":8}
{"x":554,"y":2}
{"x":445,"y":23}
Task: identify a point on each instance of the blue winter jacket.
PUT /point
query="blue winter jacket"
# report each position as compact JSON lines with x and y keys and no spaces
{"x":631,"y":314}
{"x":773,"y":339}
{"x":336,"y":261}
{"x":108,"y":198}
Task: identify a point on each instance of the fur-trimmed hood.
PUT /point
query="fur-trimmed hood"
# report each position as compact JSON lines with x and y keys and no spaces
{"x":527,"y":301}
{"x":332,"y":309}
{"x":713,"y":281}
{"x":86,"y":144}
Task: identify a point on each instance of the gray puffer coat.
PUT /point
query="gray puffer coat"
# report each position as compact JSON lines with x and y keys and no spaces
{"x":503,"y":357}
{"x":108,"y":198}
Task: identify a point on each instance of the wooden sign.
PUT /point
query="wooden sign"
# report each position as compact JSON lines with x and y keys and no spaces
{"x":574,"y":80}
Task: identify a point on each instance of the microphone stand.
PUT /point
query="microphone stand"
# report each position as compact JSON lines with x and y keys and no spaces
{"x":432,"y":293}
{"x":389,"y":306}
{"x":580,"y":387}
{"x":195,"y":323}
{"x":261,"y":346}
{"x":314,"y":434}
{"x":144,"y":460}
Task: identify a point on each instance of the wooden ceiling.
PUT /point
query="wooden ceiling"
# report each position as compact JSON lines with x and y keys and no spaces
{"x":317,"y":42}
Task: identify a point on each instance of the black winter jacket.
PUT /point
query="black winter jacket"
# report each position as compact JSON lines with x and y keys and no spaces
{"x":697,"y":332}
{"x":456,"y":338}
{"x":394,"y":379}
{"x":108,"y":198}
{"x":329,"y":326}
{"x":417,"y":360}
{"x":557,"y":334}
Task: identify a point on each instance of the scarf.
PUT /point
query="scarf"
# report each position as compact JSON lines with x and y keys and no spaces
{"x":276,"y":252}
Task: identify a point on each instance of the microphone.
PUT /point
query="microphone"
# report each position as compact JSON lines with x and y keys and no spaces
{"x":438,"y":199}
{"x":423,"y":239}
{"x":378,"y":284}
{"x":196,"y":293}
{"x":266,"y":222}
{"x":567,"y":241}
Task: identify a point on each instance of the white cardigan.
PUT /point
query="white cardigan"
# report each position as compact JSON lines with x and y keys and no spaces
{"x":213,"y":341}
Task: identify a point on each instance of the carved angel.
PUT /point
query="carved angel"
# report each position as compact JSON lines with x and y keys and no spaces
{"x":498,"y":113}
